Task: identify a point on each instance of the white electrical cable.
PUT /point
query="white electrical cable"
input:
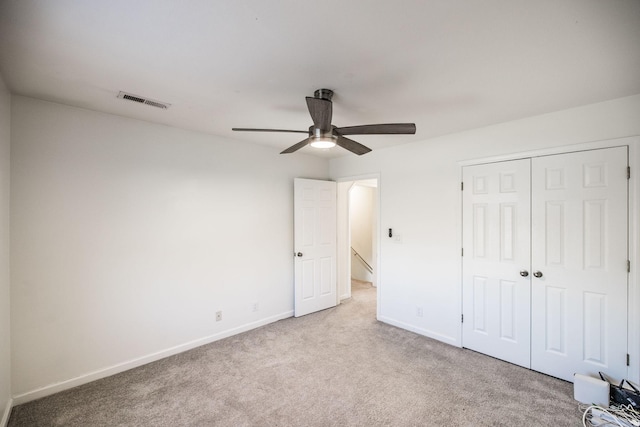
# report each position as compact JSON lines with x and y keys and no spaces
{"x":591,"y":408}
{"x":622,"y":416}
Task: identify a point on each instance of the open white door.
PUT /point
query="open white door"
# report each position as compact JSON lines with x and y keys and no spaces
{"x":314,"y":245}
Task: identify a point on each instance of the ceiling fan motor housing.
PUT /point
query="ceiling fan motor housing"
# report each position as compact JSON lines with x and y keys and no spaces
{"x":319,"y":133}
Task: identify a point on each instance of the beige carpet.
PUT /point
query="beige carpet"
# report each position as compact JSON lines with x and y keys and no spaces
{"x":339,"y":367}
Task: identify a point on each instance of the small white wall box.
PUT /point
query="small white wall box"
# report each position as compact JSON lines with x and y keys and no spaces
{"x":592,"y":391}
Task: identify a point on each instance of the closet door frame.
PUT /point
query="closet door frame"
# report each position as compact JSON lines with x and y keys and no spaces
{"x":633,"y":249}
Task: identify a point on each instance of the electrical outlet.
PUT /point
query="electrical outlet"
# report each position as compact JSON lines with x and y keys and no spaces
{"x":255,"y":307}
{"x":218,"y":316}
{"x":419,"y":311}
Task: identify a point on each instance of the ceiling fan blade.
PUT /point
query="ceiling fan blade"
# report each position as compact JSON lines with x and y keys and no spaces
{"x":351,"y":145}
{"x":380,"y":129}
{"x":321,"y":111}
{"x":269,"y":130}
{"x":296,"y":147}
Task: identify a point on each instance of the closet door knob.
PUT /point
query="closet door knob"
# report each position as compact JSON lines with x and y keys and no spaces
{"x":538,"y":274}
{"x":524,"y":273}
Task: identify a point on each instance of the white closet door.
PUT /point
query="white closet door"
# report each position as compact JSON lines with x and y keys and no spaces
{"x":579,"y":246}
{"x":496,"y":242}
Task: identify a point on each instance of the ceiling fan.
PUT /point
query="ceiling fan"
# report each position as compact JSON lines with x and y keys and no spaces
{"x":322,"y":134}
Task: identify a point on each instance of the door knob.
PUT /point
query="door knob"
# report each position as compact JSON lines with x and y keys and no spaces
{"x":299,"y":254}
{"x":538,"y":274}
{"x":524,"y":273}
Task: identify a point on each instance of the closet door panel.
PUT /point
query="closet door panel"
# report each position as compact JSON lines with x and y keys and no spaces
{"x":496,"y":298}
{"x":579,"y":248}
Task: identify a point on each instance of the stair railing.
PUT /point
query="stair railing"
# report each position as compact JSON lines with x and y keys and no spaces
{"x":366,"y":264}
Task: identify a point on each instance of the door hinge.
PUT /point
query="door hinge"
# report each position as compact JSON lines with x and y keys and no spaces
{"x":628,"y":172}
{"x":462,"y":186}
{"x":462,"y":252}
{"x":628,"y":360}
{"x":628,"y":266}
{"x":462,"y":318}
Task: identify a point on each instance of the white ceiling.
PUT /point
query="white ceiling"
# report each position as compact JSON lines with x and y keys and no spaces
{"x":447,"y":65}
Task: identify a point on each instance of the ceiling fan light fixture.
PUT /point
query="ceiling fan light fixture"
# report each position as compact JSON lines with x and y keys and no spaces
{"x":323,"y":135}
{"x":323,"y":141}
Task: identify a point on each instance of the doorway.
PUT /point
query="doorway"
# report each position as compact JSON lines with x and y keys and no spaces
{"x":358,"y":236}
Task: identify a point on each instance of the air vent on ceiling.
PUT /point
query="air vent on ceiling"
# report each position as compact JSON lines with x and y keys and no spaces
{"x":141,"y":100}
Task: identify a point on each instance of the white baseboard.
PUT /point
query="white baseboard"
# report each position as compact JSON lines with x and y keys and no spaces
{"x":125,"y":366}
{"x":420,"y":331}
{"x":7,"y":412}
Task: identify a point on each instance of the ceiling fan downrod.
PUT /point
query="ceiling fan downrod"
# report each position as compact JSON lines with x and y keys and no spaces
{"x":323,"y":94}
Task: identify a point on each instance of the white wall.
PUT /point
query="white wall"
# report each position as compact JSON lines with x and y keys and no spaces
{"x":5,"y":342}
{"x":128,"y":236}
{"x":420,"y":200}
{"x":361,"y":223}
